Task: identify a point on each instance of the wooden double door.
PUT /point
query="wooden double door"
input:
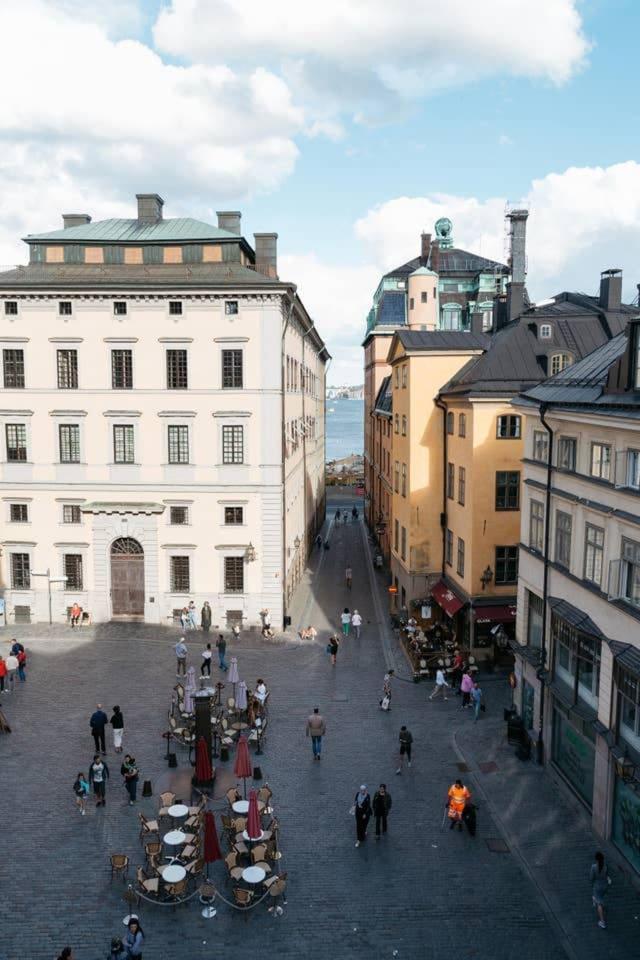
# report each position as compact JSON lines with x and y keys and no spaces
{"x":127,"y":579}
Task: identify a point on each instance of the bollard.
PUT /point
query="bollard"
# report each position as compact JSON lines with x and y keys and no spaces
{"x":146,"y":789}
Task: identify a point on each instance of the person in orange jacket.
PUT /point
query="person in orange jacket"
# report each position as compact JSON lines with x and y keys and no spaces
{"x":457,"y":798}
{"x":3,"y":673}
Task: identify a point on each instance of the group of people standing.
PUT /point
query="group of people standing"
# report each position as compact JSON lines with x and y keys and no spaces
{"x":98,"y":770}
{"x":12,"y":666}
{"x":189,"y":616}
{"x":182,"y":651}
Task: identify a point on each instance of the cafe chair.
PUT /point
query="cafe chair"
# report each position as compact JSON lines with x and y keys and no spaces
{"x":231,"y":863}
{"x":150,"y":886}
{"x":119,"y":865}
{"x":273,"y":879}
{"x":195,"y":867}
{"x":232,"y":796}
{"x":227,"y":826}
{"x":147,"y":827}
{"x":265,"y":794}
{"x":175,"y":891}
{"x":191,"y":850}
{"x":167,"y":800}
{"x":258,"y":855}
{"x":243,"y":898}
{"x":200,"y":807}
{"x":270,"y":832}
{"x":153,"y":849}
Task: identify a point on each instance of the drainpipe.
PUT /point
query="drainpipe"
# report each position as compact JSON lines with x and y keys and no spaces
{"x":545,"y":579}
{"x":284,"y":445}
{"x":445,"y":457}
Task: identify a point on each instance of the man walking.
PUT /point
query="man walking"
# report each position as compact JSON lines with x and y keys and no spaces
{"x":356,"y":623}
{"x":205,"y":666}
{"x":441,"y":685}
{"x":406,"y":739}
{"x":98,"y":722}
{"x":221,"y":646}
{"x":457,"y":798}
{"x":181,"y":658}
{"x":316,"y":729}
{"x":381,"y":808}
{"x":348,"y":576}
{"x":98,"y":776}
{"x":476,"y":700}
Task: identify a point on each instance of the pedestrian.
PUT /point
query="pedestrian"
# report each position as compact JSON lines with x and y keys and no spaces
{"x":345,"y":619}
{"x":338,"y":517}
{"x":12,"y":669}
{"x":348,"y":576}
{"x":205,"y":666}
{"x":362,"y":811}
{"x":192,"y":615}
{"x":332,"y":648}
{"x":466,"y":685}
{"x":16,"y":647}
{"x":22,"y":662}
{"x":81,"y":791}
{"x":235,"y":630}
{"x":3,"y":674}
{"x":98,"y":776}
{"x":76,"y":613}
{"x":316,"y":729}
{"x":130,"y":773}
{"x":356,"y":623}
{"x":476,"y":699}
{"x":98,"y":722}
{"x":385,"y":702}
{"x":221,"y":645}
{"x":134,"y":938}
{"x":184,"y":618}
{"x":457,"y":798}
{"x":354,"y":513}
{"x":319,"y":541}
{"x":456,"y":671}
{"x":65,"y":954}
{"x":117,"y":722}
{"x":441,"y":685}
{"x":381,"y":808}
{"x":181,"y":657}
{"x":406,"y":740}
{"x":600,"y":883}
{"x":205,"y":617}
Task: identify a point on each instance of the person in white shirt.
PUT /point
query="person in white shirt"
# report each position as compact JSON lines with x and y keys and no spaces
{"x":441,"y":685}
{"x":205,"y":666}
{"x":345,"y":619}
{"x":356,"y":623}
{"x":260,"y":692}
{"x":12,"y":666}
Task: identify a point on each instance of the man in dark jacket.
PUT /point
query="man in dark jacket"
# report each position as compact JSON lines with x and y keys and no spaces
{"x":381,"y":808}
{"x":406,"y":740}
{"x":98,"y":722}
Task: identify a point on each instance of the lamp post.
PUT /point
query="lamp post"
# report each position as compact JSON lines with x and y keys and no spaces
{"x":50,"y":580}
{"x":486,"y":577}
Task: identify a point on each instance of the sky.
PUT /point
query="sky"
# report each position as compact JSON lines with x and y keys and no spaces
{"x":348,"y":128}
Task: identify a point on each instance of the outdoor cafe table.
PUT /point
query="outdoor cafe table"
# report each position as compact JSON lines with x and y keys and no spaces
{"x":253,"y":875}
{"x":240,"y":806}
{"x":175,"y":838}
{"x":177,"y":811}
{"x":174,"y":873}
{"x":252,"y":839}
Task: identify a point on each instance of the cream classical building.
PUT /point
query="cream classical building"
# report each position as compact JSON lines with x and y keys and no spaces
{"x":162,"y":422}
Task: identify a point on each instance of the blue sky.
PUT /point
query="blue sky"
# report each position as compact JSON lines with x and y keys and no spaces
{"x":346,"y":128}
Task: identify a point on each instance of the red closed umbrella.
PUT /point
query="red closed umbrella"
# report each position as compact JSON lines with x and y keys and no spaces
{"x":254,"y":829}
{"x":212,"y":850}
{"x":203,"y":763}
{"x":242,"y":765}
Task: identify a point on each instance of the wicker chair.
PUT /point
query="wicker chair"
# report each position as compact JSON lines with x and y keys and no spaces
{"x":231,"y":862}
{"x":119,"y":865}
{"x":150,"y":886}
{"x":147,"y":827}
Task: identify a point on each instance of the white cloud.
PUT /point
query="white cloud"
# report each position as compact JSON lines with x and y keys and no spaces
{"x":362,"y":50}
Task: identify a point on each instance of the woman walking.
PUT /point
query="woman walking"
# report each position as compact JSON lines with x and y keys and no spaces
{"x":362,"y":810}
{"x":130,"y":773}
{"x":81,"y":791}
{"x":205,"y":666}
{"x":600,"y":881}
{"x":117,"y":722}
{"x":345,"y":619}
{"x":134,"y":938}
{"x":332,"y":648}
{"x":466,"y":685}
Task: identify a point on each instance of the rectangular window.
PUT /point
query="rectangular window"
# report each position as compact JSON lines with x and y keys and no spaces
{"x":632,"y":478}
{"x":232,"y":369}
{"x":233,"y":575}
{"x":403,"y":488}
{"x":601,"y":461}
{"x":69,"y":436}
{"x":567,"y":451}
{"x":152,"y":254}
{"x":403,"y":543}
{"x":175,"y":308}
{"x":177,"y":378}
{"x":123,"y":446}
{"x":397,"y":377}
{"x":120,"y":308}
{"x":19,"y":512}
{"x":508,"y":490}
{"x":593,"y":553}
{"x":462,"y":483}
{"x":577,"y":659}
{"x":37,"y":253}
{"x":449,"y":548}
{"x":13,"y":368}
{"x":404,"y":426}
{"x":16,"y":435}
{"x":535,"y":612}
{"x":411,"y":303}
{"x":122,"y":369}
{"x":536,"y":526}
{"x":460,"y":566}
{"x":73,"y":571}
{"x":396,"y":478}
{"x":192,"y":253}
{"x":451,"y":480}
{"x":396,"y":535}
{"x":178,"y":444}
{"x":233,"y":515}
{"x":450,"y":424}
{"x":71,"y":513}
{"x":113,"y":255}
{"x":508,"y":427}
{"x":405,"y":374}
{"x":64,"y":308}
{"x":178,"y":516}
{"x":540,"y":446}
{"x":180,"y":581}
{"x":67,"y":369}
{"x":11,"y":308}
{"x":231,"y":308}
{"x":232,"y":444}
{"x":73,"y":253}
{"x":423,"y":296}
{"x":630,"y":572}
{"x":629,"y":707}
{"x":506,"y":565}
{"x":563,"y":539}
{"x":462,"y":425}
{"x":20,"y":571}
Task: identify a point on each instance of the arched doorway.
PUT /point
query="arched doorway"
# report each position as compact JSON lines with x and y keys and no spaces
{"x":127,"y":578}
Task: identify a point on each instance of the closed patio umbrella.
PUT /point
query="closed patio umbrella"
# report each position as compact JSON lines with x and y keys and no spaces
{"x":189,"y":690}
{"x":211,"y":850}
{"x":254,"y":829}
{"x":241,"y":696}
{"x":204,"y":773}
{"x":242,"y":764}
{"x":233,"y":676}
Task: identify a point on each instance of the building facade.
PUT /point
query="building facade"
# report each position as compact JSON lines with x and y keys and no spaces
{"x":163,"y":422}
{"x":578,"y":646}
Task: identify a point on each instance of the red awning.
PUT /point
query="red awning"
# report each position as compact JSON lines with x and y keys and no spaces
{"x":506,"y":614}
{"x":446,"y":598}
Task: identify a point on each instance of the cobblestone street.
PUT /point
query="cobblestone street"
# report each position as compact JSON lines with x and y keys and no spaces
{"x":421,"y":891}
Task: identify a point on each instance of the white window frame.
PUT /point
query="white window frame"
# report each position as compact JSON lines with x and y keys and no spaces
{"x":545,"y":331}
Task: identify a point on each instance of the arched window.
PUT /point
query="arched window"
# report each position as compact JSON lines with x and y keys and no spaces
{"x":559,"y":361}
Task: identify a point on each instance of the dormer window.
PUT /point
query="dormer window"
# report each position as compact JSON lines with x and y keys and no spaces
{"x":559,"y":361}
{"x":545,"y":331}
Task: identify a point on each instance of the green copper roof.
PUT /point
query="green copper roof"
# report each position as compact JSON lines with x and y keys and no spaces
{"x":176,"y":230}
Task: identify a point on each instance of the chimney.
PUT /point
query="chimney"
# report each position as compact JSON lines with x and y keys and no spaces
{"x":611,"y":289}
{"x":425,"y":247}
{"x":477,"y":321}
{"x":518,"y":238}
{"x":229,"y":220}
{"x":149,"y":207}
{"x":267,"y":254}
{"x":435,"y":256}
{"x":75,"y":220}
{"x":515,"y":300}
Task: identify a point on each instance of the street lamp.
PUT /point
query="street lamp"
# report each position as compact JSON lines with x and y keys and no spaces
{"x":250,"y":553}
{"x":50,"y":580}
{"x":297,"y":543}
{"x":486,"y":577}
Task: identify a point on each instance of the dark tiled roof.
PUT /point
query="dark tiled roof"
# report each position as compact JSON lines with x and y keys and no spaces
{"x":136,"y":275}
{"x":391,"y":308}
{"x":627,"y":656}
{"x":384,"y":399}
{"x":577,"y":618}
{"x":442,"y":340}
{"x":452,"y":261}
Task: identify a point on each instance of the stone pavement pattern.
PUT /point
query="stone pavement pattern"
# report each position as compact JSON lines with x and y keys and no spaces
{"x":421,"y":891}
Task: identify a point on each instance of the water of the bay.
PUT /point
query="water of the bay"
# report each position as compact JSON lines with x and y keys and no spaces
{"x":345,"y":426}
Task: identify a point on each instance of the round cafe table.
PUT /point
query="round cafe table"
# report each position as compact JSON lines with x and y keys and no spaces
{"x":177,"y":811}
{"x":253,"y":875}
{"x":252,"y":839}
{"x":240,"y":725}
{"x":174,"y":873}
{"x":175,"y":838}
{"x":240,"y":806}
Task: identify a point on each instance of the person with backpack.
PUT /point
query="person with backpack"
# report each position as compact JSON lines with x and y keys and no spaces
{"x":600,"y":883}
{"x":81,"y":791}
{"x":381,"y":808}
{"x":22,"y":662}
{"x":406,"y":740}
{"x":130,"y":773}
{"x":98,"y":776}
